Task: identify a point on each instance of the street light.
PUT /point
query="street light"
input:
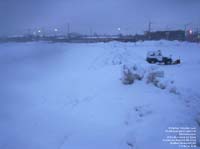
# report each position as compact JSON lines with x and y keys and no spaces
{"x":190,"y":32}
{"x":119,"y":30}
{"x":55,"y":30}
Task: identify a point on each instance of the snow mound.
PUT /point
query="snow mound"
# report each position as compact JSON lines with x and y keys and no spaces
{"x":63,"y":95}
{"x":152,"y":75}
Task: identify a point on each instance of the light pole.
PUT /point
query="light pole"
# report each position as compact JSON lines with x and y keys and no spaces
{"x":55,"y":30}
{"x":39,"y":33}
{"x":119,"y":30}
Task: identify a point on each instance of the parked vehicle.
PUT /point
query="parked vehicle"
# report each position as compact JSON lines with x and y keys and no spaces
{"x":157,"y":57}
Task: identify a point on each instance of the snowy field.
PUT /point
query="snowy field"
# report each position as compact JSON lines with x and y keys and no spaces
{"x":70,"y":96}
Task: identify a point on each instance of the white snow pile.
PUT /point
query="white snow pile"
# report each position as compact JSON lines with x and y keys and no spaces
{"x":131,"y":74}
{"x":70,"y":96}
{"x":151,"y":75}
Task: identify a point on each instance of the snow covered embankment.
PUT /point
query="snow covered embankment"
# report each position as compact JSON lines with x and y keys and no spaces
{"x":60,"y":96}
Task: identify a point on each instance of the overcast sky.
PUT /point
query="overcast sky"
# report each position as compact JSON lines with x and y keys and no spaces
{"x":101,"y":16}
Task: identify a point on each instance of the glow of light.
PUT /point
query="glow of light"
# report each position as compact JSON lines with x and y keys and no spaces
{"x":55,"y":29}
{"x":39,"y":31}
{"x":190,"y":31}
{"x":119,"y":29}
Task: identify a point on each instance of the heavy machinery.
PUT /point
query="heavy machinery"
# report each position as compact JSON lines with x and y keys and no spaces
{"x":157,"y":57}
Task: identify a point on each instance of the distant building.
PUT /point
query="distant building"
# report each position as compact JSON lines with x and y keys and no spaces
{"x":168,"y":35}
{"x":74,"y":35}
{"x":193,"y":36}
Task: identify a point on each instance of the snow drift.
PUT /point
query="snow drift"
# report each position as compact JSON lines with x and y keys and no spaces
{"x":65,"y":95}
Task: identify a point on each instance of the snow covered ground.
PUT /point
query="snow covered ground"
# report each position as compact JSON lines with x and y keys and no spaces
{"x":70,"y":96}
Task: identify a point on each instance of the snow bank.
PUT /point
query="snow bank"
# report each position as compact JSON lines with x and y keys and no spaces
{"x":61,"y":95}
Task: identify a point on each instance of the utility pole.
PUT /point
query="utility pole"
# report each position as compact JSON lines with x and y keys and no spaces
{"x":91,"y":31}
{"x":149,"y":30}
{"x":68,"y":29}
{"x":149,"y":26}
{"x":185,"y":26}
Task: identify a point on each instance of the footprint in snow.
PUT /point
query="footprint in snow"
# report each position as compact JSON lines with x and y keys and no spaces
{"x":142,"y":111}
{"x":138,"y":113}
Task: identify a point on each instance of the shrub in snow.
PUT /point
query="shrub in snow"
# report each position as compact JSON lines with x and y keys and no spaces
{"x":173,"y":90}
{"x":161,"y":85}
{"x":127,"y":77}
{"x":153,"y":77}
{"x":138,"y":72}
{"x":130,"y":74}
{"x":157,"y":79}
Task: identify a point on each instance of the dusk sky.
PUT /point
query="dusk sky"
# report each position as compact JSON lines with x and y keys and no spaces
{"x":101,"y":16}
